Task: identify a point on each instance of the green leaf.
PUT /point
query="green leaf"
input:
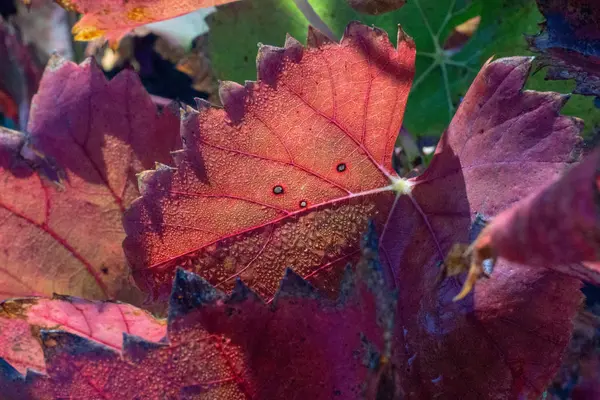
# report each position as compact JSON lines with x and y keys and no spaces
{"x":443,"y":77}
{"x":237,"y":28}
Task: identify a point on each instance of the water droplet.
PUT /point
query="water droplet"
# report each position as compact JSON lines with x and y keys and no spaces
{"x":278,"y":189}
{"x":341,"y":167}
{"x":303,"y":203}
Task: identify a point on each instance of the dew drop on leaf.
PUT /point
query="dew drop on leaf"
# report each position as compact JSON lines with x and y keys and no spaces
{"x":341,"y":167}
{"x":278,"y":189}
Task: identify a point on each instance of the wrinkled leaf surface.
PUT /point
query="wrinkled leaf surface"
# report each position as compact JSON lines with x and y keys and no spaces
{"x":302,"y":346}
{"x":286,"y":175}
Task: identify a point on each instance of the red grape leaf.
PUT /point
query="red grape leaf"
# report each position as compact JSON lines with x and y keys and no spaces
{"x":302,"y":346}
{"x":66,"y":237}
{"x":22,"y":319}
{"x":557,"y":227}
{"x":287,"y":174}
{"x":19,"y":75}
{"x":504,"y":340}
{"x":115,"y":18}
{"x":570,"y":42}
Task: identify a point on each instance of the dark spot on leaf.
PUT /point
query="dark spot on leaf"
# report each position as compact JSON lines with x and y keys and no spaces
{"x":303,"y":203}
{"x":341,"y":167}
{"x":104,"y":271}
{"x":278,"y":189}
{"x":337,"y":392}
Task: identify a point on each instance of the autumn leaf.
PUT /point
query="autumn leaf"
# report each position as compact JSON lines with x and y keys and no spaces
{"x":65,"y":183}
{"x":503,"y":144}
{"x":568,"y":42}
{"x":302,"y":346}
{"x":557,"y":227}
{"x":19,"y":75}
{"x":113,"y":19}
{"x":287,"y":174}
{"x":21,"y":321}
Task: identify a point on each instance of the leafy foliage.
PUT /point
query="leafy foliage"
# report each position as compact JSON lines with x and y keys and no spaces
{"x":234,"y":347}
{"x":65,"y":184}
{"x":237,"y":27}
{"x":274,"y":190}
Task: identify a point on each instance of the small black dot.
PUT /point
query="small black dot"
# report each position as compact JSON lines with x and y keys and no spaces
{"x":303,"y":203}
{"x":278,"y":189}
{"x":104,"y":271}
{"x":341,"y":167}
